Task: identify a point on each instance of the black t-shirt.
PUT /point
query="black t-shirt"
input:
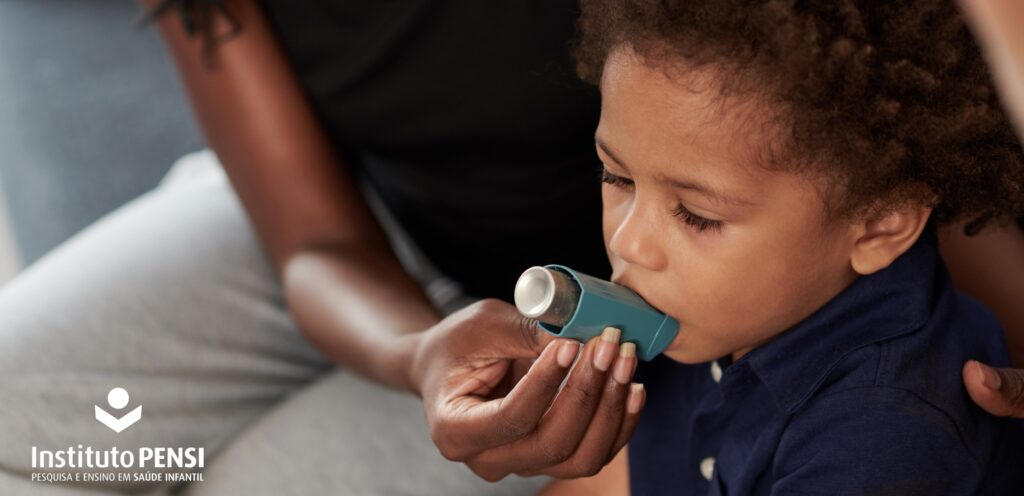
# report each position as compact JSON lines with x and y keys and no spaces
{"x":467,"y":118}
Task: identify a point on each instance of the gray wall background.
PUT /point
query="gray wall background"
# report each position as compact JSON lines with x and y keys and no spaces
{"x":91,"y":114}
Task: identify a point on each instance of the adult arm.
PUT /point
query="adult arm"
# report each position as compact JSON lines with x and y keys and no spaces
{"x":991,"y":267}
{"x":345,"y":287}
{"x":612,"y":480}
{"x":351,"y":298}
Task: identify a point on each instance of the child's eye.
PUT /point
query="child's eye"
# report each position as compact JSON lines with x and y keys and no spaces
{"x":617,"y":181}
{"x":695,"y":221}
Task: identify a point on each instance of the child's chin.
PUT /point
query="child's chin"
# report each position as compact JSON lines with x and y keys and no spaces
{"x":689,"y":355}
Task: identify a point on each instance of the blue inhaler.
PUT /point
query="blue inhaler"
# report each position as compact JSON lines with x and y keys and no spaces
{"x":570,"y":304}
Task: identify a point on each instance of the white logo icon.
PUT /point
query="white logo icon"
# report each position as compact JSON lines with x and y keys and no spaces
{"x":118,"y":398}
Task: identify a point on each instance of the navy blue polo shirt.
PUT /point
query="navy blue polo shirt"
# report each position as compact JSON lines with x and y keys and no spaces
{"x":863,"y":397}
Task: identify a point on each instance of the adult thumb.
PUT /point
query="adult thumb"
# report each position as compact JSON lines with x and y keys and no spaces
{"x":534,"y":337}
{"x":516,"y":336}
{"x":998,"y":391}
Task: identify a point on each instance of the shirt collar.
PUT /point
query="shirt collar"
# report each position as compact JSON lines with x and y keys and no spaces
{"x":893,"y":301}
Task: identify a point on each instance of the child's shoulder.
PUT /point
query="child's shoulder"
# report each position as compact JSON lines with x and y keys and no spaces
{"x":884,"y":437}
{"x":897,"y":409}
{"x":923,"y":364}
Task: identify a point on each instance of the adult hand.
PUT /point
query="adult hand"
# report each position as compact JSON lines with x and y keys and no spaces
{"x":484,"y":411}
{"x":999,"y":391}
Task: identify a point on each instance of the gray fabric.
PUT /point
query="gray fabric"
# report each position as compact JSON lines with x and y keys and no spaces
{"x":170,"y":298}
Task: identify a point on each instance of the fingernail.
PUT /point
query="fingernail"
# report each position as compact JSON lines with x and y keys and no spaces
{"x":627,"y":349}
{"x":567,"y":353}
{"x":624,"y":367}
{"x":611,"y":335}
{"x":989,"y":377}
{"x":635,"y":397}
{"x":605,"y":353}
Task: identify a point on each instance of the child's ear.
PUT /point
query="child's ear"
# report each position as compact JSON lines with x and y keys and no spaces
{"x":884,"y":237}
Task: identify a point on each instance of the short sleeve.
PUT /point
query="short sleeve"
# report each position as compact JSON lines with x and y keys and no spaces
{"x":876,"y":441}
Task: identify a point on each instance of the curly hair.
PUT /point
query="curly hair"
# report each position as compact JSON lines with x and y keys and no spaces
{"x":878,"y":96}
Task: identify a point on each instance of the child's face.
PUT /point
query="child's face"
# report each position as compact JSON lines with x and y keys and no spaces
{"x":737,"y":253}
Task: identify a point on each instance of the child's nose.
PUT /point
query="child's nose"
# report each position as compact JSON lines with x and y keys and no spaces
{"x":637,"y":239}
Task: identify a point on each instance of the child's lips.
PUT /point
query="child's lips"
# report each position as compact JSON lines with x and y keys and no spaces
{"x":676,"y":343}
{"x":621,"y":281}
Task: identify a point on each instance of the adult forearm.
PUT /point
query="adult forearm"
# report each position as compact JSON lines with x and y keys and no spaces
{"x":254,"y":114}
{"x":990,"y":267}
{"x":345,"y":288}
{"x":996,"y":25}
{"x":360,"y":308}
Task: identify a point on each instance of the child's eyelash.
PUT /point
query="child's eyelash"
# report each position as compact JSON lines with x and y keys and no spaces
{"x":695,"y":221}
{"x":691,"y":219}
{"x":617,"y":181}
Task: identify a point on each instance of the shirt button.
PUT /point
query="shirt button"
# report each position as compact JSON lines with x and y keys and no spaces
{"x":707,"y":467}
{"x":716,"y":372}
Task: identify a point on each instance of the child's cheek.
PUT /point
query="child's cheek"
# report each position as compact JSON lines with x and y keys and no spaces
{"x":695,"y":305}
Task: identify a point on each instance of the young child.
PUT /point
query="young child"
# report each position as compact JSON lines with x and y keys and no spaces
{"x":775,"y":172}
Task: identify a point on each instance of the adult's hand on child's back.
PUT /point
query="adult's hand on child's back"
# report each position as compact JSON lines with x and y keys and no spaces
{"x":487,"y":405}
{"x":999,"y":391}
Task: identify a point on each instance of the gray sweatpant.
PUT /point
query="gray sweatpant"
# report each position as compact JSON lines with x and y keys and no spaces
{"x":171,"y":299}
